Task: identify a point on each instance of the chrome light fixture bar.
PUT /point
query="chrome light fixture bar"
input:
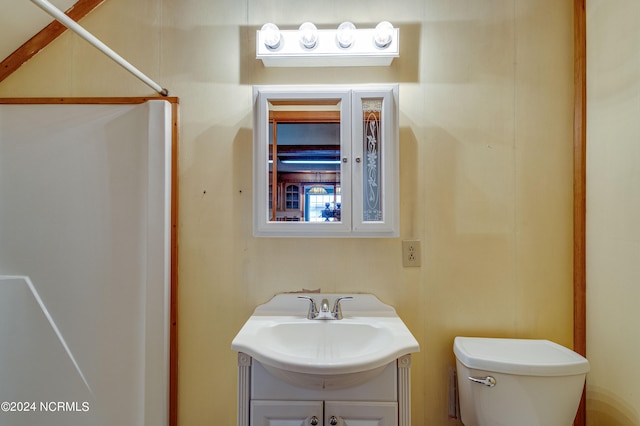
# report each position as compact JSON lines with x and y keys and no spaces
{"x":312,"y":47}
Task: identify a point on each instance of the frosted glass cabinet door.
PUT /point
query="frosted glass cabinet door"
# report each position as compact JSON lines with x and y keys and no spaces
{"x":351,"y":413}
{"x":375,"y":151}
{"x":286,"y":413}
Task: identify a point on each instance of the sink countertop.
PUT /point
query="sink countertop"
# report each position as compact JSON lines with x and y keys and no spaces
{"x":370,"y":335}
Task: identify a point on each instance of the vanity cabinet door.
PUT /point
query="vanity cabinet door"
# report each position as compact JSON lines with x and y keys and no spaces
{"x":286,"y":413}
{"x":346,"y":413}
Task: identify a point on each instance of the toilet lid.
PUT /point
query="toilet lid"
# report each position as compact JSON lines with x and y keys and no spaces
{"x":519,"y":356}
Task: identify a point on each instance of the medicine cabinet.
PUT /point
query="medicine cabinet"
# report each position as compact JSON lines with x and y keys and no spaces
{"x":326,"y":161}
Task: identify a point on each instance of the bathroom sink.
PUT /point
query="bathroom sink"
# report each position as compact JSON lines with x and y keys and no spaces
{"x":326,"y":341}
{"x":325,"y":352}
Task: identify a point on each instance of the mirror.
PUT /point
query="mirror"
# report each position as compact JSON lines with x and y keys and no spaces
{"x":304,"y":161}
{"x":321,"y":157}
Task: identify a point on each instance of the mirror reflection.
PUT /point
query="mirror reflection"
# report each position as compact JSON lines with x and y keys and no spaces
{"x":304,"y":161}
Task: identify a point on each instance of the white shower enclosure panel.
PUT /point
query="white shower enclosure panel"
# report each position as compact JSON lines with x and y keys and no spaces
{"x":85,"y":243}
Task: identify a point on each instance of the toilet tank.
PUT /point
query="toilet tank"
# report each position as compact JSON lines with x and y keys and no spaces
{"x":535,"y":382}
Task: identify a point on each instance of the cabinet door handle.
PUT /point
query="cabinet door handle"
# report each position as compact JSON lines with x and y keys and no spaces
{"x":314,"y":421}
{"x":333,"y":421}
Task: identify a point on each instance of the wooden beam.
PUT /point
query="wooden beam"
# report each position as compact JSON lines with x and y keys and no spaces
{"x":579,"y":190}
{"x":173,"y":334}
{"x":41,"y":40}
{"x":94,"y":100}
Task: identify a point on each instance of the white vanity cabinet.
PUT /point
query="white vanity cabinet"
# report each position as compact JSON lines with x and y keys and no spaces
{"x":266,"y":400}
{"x":352,"y":413}
{"x":353,"y":371}
{"x":286,"y":413}
{"x":342,"y":413}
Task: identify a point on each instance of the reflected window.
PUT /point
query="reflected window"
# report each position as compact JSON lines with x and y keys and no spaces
{"x":292,"y":197}
{"x":323,"y":203}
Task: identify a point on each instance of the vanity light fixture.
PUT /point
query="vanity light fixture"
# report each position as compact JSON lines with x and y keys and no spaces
{"x":308,"y":35}
{"x":346,"y":34}
{"x":346,"y":45}
{"x":270,"y":35}
{"x":383,"y":35}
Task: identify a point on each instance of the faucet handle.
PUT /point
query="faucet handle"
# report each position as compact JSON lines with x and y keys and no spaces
{"x":313,"y":311}
{"x":337,"y":309}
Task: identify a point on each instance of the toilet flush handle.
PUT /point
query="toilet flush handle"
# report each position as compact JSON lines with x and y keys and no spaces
{"x":487,"y":381}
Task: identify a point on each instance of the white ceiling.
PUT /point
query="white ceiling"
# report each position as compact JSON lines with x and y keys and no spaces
{"x":21,"y":19}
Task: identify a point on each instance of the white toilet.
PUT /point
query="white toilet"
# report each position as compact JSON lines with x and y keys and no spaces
{"x":518,"y":382}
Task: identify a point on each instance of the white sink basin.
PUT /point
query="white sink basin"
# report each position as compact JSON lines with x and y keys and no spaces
{"x":325,"y":353}
{"x":325,"y":341}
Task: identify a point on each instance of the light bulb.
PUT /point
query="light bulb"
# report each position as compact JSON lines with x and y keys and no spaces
{"x":308,"y":35}
{"x":346,"y":34}
{"x":271,"y":35}
{"x":383,"y":34}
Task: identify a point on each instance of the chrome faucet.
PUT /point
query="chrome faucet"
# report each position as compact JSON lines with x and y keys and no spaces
{"x":324,"y":312}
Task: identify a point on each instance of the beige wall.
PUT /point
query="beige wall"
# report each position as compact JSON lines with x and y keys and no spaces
{"x":613,"y":209}
{"x":486,"y":92}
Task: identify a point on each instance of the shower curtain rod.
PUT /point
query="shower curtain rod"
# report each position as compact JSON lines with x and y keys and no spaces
{"x":76,"y":28}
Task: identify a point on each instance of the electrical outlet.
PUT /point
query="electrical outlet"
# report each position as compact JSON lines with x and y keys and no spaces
{"x":411,"y":253}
